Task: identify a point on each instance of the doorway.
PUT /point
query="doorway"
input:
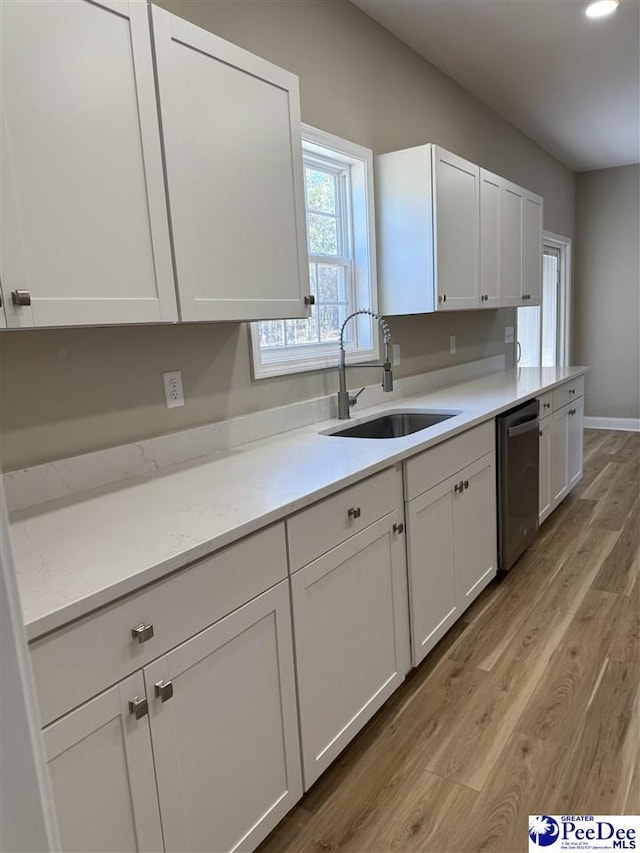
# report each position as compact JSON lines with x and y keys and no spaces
{"x":543,"y":330}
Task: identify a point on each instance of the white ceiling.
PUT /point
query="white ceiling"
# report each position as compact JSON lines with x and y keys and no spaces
{"x":570,"y":83}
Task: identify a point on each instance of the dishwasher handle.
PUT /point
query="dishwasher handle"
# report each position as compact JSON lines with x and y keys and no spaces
{"x":527,"y":426}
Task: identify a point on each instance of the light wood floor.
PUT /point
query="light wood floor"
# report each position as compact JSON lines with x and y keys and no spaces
{"x":528,"y":706}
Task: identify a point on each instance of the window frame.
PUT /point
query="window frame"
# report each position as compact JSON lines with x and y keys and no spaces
{"x":363,"y":344}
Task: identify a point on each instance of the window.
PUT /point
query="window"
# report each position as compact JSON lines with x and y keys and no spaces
{"x":543,"y":331}
{"x":338,"y":186}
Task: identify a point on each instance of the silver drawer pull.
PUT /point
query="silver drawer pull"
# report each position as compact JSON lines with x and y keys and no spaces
{"x":398,"y":528}
{"x":164,"y":689}
{"x":354,"y":512}
{"x":466,"y":484}
{"x":546,"y":405}
{"x":459,"y":487}
{"x":21,"y":298}
{"x":142,"y":632}
{"x":572,"y":390}
{"x":139,"y":707}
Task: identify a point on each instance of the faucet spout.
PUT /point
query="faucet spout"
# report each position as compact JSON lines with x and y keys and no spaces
{"x":345,"y":401}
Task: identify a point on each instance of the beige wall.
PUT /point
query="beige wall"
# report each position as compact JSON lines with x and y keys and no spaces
{"x":606,"y":301}
{"x":70,"y":391}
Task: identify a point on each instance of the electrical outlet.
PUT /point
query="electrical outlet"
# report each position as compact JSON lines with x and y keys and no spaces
{"x":508,"y":335}
{"x":396,"y":354}
{"x":452,"y":344}
{"x":173,"y":389}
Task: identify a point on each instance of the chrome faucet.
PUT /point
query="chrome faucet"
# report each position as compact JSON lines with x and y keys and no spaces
{"x":346,"y":400}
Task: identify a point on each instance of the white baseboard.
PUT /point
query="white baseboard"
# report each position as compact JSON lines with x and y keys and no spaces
{"x":627,"y":424}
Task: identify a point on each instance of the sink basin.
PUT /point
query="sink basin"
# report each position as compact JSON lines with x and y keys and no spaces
{"x":393,"y":424}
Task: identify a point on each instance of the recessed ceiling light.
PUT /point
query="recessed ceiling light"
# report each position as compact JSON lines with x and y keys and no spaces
{"x":601,"y":8}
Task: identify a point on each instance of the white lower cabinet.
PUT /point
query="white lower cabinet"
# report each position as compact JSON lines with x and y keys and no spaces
{"x":575,"y":442}
{"x":352,"y":641}
{"x":222,"y":710}
{"x":451,"y":532}
{"x":211,"y":759}
{"x":544,"y":483}
{"x":559,"y":455}
{"x":452,"y":550}
{"x":561,"y":446}
{"x":101,"y":770}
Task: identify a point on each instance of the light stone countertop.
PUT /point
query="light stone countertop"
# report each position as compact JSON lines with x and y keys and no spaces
{"x":82,"y":552}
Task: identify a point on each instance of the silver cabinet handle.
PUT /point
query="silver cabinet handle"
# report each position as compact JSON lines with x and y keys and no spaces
{"x":20,"y":298}
{"x":546,"y":405}
{"x":139,"y":707}
{"x":466,"y":484}
{"x":398,"y":528}
{"x":310,"y":300}
{"x":459,"y":487}
{"x":142,"y":632}
{"x":354,"y":512}
{"x":572,"y":390}
{"x":164,"y":689}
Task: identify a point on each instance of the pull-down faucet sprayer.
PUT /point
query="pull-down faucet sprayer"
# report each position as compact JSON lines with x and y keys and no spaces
{"x":345,"y":400}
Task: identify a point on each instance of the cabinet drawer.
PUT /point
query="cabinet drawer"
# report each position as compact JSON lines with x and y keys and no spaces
{"x":316,"y":530}
{"x":426,"y":470}
{"x":85,"y":657}
{"x":568,"y":392}
{"x":546,"y":404}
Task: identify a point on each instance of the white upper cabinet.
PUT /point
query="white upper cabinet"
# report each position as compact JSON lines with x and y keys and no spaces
{"x":453,"y":236}
{"x":532,"y":248}
{"x":490,"y":239}
{"x":511,"y":244}
{"x":231,"y":125}
{"x":428,"y":231}
{"x":456,"y":190}
{"x":84,"y":220}
{"x":521,"y":249}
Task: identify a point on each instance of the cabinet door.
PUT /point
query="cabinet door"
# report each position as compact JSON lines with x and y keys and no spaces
{"x":559,"y":455}
{"x":101,"y":771}
{"x":475,"y":532}
{"x":432,"y":593}
{"x":544,"y":488}
{"x":532,"y":248}
{"x":84,"y":214}
{"x":350,"y":619}
{"x":490,"y":222}
{"x":456,"y":199}
{"x":575,"y":442}
{"x":231,"y":125}
{"x":511,"y":244}
{"x":225,"y":744}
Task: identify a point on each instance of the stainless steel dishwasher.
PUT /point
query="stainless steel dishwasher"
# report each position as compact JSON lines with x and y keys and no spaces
{"x":518,"y":454}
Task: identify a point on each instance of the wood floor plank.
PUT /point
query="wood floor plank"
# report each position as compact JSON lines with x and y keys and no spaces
{"x":623,"y":497}
{"x":529,"y":770}
{"x":625,"y":641}
{"x":475,"y":732}
{"x":603,"y":483}
{"x":601,"y":762}
{"x":487,"y":638}
{"x":575,"y":576}
{"x":426,"y":813}
{"x":614,"y":442}
{"x":560,"y":700}
{"x":619,"y":571}
{"x":558,"y":534}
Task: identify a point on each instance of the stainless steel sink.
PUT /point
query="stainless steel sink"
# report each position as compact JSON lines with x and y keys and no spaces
{"x":393,"y":424}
